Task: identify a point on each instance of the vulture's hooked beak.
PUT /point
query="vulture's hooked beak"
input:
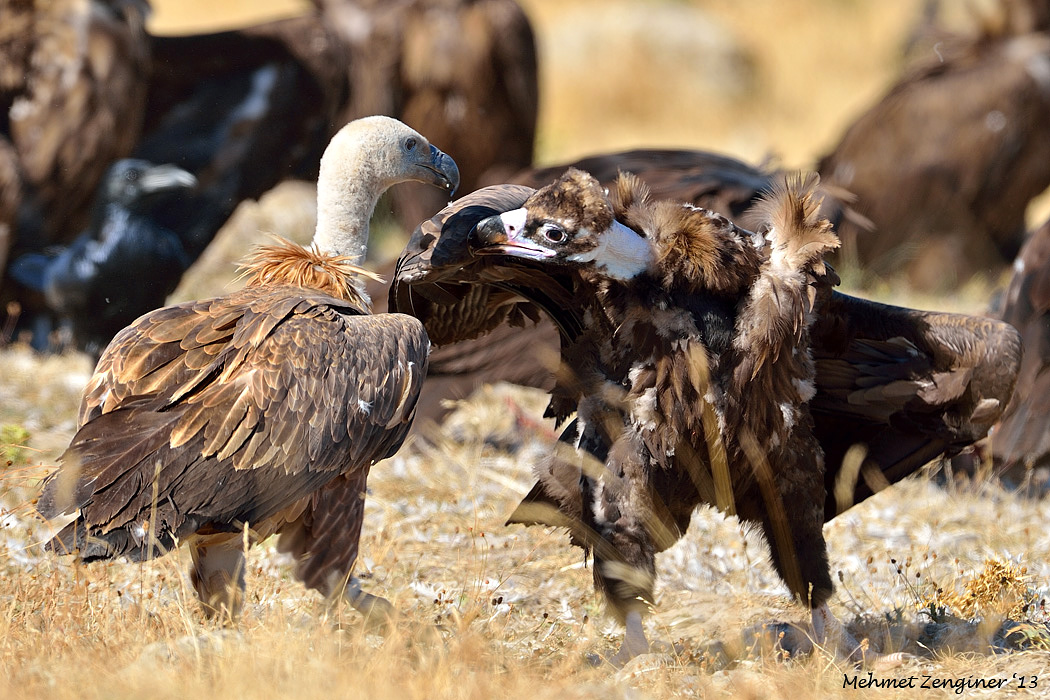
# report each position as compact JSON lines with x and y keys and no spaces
{"x":505,"y":235}
{"x":166,"y":178}
{"x":441,"y":171}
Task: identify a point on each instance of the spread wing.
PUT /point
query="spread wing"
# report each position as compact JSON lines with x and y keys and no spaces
{"x":906,"y":385}
{"x":211,"y":414}
{"x":1022,"y":437}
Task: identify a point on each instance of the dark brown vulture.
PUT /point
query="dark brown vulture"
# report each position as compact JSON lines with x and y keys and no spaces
{"x":232,"y":418}
{"x":705,"y":364}
{"x":946,"y":162}
{"x":528,"y":355}
{"x":73,"y":79}
{"x":462,"y":71}
{"x":1020,"y":444}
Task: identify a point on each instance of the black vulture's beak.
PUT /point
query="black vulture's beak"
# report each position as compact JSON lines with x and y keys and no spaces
{"x":166,"y":178}
{"x":441,"y":171}
{"x":504,"y":234}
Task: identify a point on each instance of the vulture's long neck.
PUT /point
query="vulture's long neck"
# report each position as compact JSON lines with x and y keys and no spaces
{"x":347,"y":192}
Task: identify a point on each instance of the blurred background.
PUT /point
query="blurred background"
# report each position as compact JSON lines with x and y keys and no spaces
{"x":757,"y":79}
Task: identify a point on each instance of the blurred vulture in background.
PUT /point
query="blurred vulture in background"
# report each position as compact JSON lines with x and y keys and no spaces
{"x":1020,"y":445}
{"x":463,"y":72}
{"x":243,"y":110}
{"x":946,"y":162}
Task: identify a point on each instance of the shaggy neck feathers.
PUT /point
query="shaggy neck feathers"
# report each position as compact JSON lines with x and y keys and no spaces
{"x":285,"y":262}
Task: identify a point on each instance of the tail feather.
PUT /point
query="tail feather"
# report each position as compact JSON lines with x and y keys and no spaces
{"x":92,"y":545}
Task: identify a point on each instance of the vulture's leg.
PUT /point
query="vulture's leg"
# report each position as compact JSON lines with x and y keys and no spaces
{"x":620,"y":507}
{"x":376,"y":610}
{"x":217,"y":574}
{"x":634,"y":641}
{"x":324,"y":541}
{"x":792,"y":518}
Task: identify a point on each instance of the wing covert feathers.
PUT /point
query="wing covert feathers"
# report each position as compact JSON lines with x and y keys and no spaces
{"x":231,"y":409}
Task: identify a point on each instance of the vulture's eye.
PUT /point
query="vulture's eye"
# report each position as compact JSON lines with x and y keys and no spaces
{"x":410,"y":143}
{"x":554,"y":234}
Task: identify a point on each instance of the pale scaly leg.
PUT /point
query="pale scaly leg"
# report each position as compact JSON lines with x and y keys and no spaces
{"x":217,"y":574}
{"x":828,"y":632}
{"x":634,"y":641}
{"x":377,"y":611}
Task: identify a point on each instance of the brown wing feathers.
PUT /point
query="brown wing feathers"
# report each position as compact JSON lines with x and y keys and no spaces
{"x":271,"y":434}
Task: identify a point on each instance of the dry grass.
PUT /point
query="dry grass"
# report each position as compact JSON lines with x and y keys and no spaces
{"x":489,"y":611}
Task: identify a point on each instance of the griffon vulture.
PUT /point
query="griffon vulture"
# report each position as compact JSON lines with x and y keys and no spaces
{"x":261,"y":411}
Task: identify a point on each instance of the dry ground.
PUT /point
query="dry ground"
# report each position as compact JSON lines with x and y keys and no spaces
{"x":489,"y":611}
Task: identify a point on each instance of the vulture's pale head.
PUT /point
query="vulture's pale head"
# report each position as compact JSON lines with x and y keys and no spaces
{"x":364,"y":159}
{"x":569,"y":222}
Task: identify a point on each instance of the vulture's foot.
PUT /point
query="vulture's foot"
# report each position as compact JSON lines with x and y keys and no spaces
{"x":831,"y":634}
{"x":634,"y":643}
{"x":377,"y":611}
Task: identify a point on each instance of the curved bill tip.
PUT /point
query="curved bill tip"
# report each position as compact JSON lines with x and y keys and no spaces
{"x":446,"y":168}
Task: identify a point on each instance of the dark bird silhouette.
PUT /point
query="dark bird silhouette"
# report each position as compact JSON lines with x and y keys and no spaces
{"x":462,"y":71}
{"x":1020,"y":444}
{"x":945,"y":163}
{"x":242,"y":110}
{"x":126,"y":263}
{"x":705,"y":364}
{"x":219,"y":422}
{"x":73,"y":79}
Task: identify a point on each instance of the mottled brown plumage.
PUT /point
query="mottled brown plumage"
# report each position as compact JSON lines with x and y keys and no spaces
{"x":714,"y":332}
{"x":260,"y":411}
{"x":523,"y":353}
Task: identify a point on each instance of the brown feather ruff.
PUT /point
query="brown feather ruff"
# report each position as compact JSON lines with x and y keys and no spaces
{"x":792,"y":210}
{"x":696,"y":249}
{"x":286,"y":262}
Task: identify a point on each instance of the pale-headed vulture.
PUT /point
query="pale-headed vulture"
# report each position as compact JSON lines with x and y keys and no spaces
{"x":705,"y":364}
{"x":464,"y":72}
{"x":222,"y":421}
